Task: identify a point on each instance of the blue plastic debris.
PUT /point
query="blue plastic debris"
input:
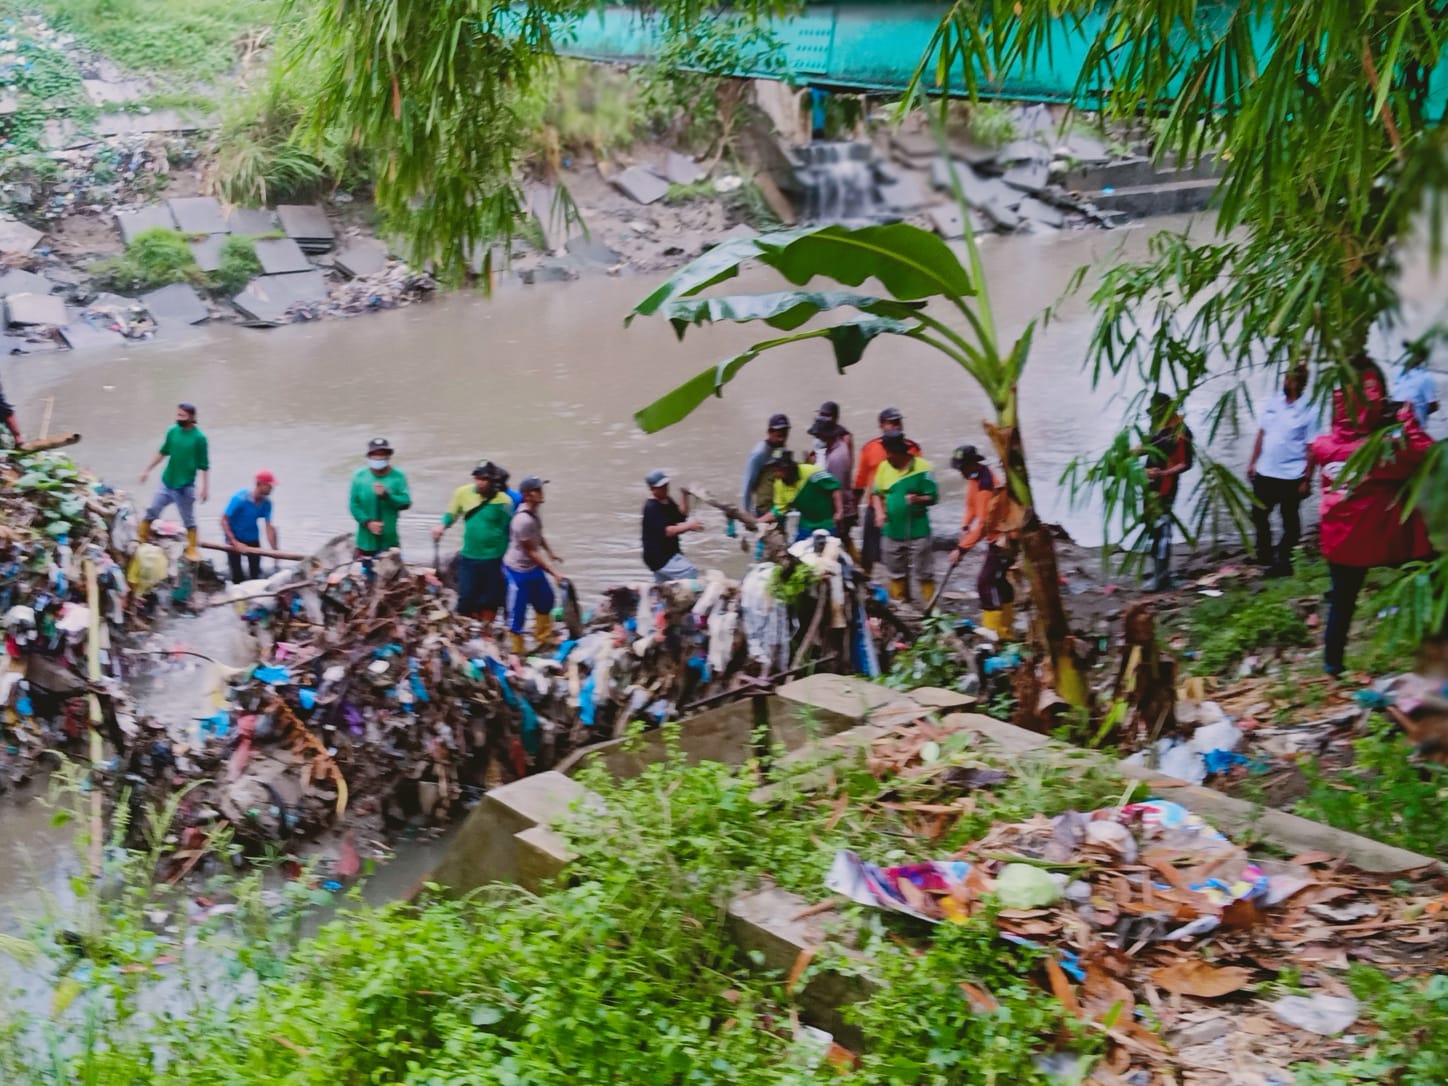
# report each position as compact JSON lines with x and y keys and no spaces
{"x":1219,"y":761}
{"x":217,"y":724}
{"x":308,"y":697}
{"x":271,"y":674}
{"x":1371,"y":699}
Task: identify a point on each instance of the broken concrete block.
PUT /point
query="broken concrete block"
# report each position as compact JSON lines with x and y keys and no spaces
{"x":207,"y":251}
{"x":175,"y":304}
{"x":1000,"y":212}
{"x":681,"y":170}
{"x":103,"y":92}
{"x":361,"y":258}
{"x":1085,"y":149}
{"x":1024,"y":151}
{"x":641,"y":185}
{"x":1041,"y":212}
{"x":592,"y":251}
{"x":252,"y":222}
{"x":279,"y":256}
{"x":18,"y":281}
{"x":947,"y":221}
{"x":34,"y":309}
{"x":81,"y":335}
{"x":160,"y":120}
{"x":1028,"y":176}
{"x":307,"y":225}
{"x":267,"y":298}
{"x":905,"y":195}
{"x":16,"y":238}
{"x":197,"y":214}
{"x":132,"y":223}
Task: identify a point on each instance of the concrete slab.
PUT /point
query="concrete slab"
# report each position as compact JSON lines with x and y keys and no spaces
{"x":361,"y":258}
{"x":306,"y":224}
{"x":1041,"y":212}
{"x":1028,"y":176}
{"x":542,"y":855}
{"x":34,"y":309}
{"x":19,"y":281}
{"x":268,"y":297}
{"x":103,"y":92}
{"x":935,"y":697}
{"x":198,"y":214}
{"x":17,"y":239}
{"x":160,"y":120}
{"x":252,"y":221}
{"x":641,"y":185}
{"x":281,"y":256}
{"x":841,"y":701}
{"x":83,"y":336}
{"x":947,"y":221}
{"x":175,"y":304}
{"x":681,"y":170}
{"x":1025,"y":151}
{"x":905,"y":195}
{"x":207,"y":251}
{"x":132,"y":223}
{"x":592,"y":251}
{"x":1085,"y":149}
{"x":62,"y":134}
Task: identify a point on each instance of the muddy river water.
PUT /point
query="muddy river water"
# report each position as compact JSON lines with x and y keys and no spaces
{"x":545,"y":380}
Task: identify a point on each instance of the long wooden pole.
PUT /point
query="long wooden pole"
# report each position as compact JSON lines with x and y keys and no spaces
{"x":93,"y":702}
{"x":285,"y":556}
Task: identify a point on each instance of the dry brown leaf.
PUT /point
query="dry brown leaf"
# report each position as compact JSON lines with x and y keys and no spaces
{"x":1195,"y":977}
{"x":801,"y":963}
{"x":1316,"y":856}
{"x":1259,"y":1025}
{"x":1061,"y":987}
{"x":981,"y":1001}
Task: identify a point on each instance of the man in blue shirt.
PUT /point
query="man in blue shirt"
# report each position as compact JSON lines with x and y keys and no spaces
{"x":1414,"y":384}
{"x":239,"y":524}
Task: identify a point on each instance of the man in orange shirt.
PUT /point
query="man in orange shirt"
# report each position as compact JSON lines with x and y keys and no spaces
{"x":981,"y":521}
{"x":871,"y":456}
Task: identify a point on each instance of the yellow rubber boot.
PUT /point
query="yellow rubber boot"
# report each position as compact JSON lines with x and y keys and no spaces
{"x":519,"y":647}
{"x":543,"y":629}
{"x":192,"y":554}
{"x":143,"y":531}
{"x":991,"y":620}
{"x":897,"y":589}
{"x":1008,"y":620}
{"x":927,"y":592}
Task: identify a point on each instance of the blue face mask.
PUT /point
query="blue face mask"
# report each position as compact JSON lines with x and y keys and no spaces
{"x":379,"y":463}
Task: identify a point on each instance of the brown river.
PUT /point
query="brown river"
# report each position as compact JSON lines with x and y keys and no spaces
{"x":545,"y":381}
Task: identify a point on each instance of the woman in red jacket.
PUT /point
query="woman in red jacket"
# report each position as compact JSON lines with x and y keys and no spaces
{"x":1362,"y":524}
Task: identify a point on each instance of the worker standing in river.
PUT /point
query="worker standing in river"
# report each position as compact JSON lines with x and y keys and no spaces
{"x":187,"y":458}
{"x":756,"y":494}
{"x":248,"y":507}
{"x":10,"y":419}
{"x":902,"y":495}
{"x":871,"y":456}
{"x":379,"y":494}
{"x":664,"y":521}
{"x":1170,"y":452}
{"x":486,"y":512}
{"x":980,"y":520}
{"x":807,"y":489}
{"x":527,"y":565}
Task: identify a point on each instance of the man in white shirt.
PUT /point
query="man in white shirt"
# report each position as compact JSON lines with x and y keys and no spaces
{"x":1280,"y":469}
{"x":1414,"y":384}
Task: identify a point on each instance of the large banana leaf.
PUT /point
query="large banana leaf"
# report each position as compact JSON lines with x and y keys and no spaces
{"x":849,"y":340}
{"x":785,"y":310}
{"x":911,"y":263}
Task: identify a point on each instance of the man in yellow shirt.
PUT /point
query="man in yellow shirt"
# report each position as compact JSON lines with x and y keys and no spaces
{"x":903,"y":492}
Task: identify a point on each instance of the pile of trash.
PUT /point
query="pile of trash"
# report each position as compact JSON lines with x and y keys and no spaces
{"x":55,"y":521}
{"x":399,"y":285}
{"x":374,"y":706}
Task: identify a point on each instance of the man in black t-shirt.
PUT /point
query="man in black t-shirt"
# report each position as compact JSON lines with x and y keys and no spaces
{"x":664,"y":521}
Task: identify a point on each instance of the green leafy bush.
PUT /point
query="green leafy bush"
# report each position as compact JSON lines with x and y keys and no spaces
{"x":154,"y":258}
{"x":1384,"y":795}
{"x":238,"y":264}
{"x":1411,"y":1045}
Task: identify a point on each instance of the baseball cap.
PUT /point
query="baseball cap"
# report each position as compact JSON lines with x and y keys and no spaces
{"x":266,"y":477}
{"x":964,"y":456}
{"x":658,"y":477}
{"x":895,"y":443}
{"x":531,"y":482}
{"x":485,"y":469}
{"x":891,"y":414}
{"x":189,"y":408}
{"x":379,"y":444}
{"x":822,"y":427}
{"x":830,"y":410}
{"x":779,"y":422}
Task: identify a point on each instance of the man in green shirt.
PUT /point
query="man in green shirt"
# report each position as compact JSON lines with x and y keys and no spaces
{"x":379,"y":493}
{"x":187,"y":456}
{"x":904,"y":490}
{"x":485,"y":512}
{"x":807,"y":488}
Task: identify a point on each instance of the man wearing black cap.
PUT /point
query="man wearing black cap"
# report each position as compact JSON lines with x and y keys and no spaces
{"x":187,"y":457}
{"x":757,"y":494}
{"x":527,"y":566}
{"x":379,"y":494}
{"x":664,"y":521}
{"x":10,"y":420}
{"x":981,"y":520}
{"x":872,"y":455}
{"x":486,"y":513}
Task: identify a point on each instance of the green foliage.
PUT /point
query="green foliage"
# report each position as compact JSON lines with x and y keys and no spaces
{"x":1384,"y":795}
{"x":238,"y":265}
{"x":584,"y":108}
{"x":991,"y":123}
{"x":789,"y":588}
{"x":1261,"y":617}
{"x":1411,"y":1045}
{"x":932,"y":659}
{"x":153,"y":259}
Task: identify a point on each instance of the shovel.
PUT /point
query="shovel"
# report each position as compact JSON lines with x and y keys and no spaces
{"x":959,"y":554}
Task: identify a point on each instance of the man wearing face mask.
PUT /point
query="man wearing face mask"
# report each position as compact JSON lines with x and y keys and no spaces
{"x":379,"y":494}
{"x":187,"y":457}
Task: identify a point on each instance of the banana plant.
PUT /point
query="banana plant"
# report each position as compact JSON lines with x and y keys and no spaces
{"x":929,"y":296}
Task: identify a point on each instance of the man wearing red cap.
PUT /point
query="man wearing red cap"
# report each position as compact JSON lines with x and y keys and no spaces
{"x":247,"y":507}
